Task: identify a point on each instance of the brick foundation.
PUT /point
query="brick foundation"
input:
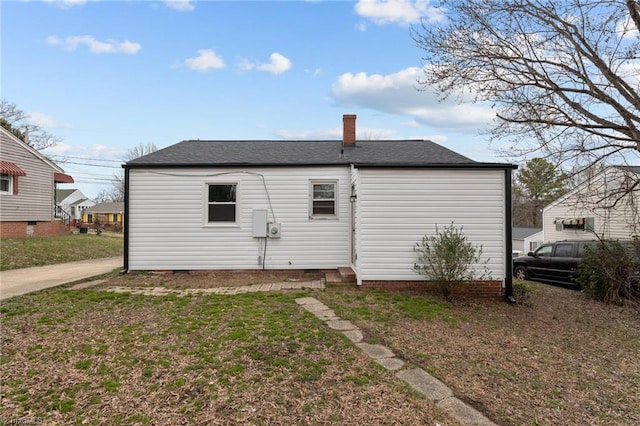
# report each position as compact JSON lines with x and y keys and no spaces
{"x":474,"y":289}
{"x":40,"y":229}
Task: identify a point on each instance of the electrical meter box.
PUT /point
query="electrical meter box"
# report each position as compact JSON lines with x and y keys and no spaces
{"x":274,"y":230}
{"x":260,"y":218}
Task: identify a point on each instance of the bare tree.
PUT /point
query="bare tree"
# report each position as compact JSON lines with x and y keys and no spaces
{"x":116,"y":194}
{"x":562,"y":76}
{"x":16,"y":121}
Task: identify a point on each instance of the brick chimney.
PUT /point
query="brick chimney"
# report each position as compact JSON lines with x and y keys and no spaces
{"x":349,"y":130}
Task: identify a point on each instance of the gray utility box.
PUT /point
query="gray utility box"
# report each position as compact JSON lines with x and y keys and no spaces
{"x":260,"y":218}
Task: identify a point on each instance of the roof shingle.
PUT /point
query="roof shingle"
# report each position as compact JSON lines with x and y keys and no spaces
{"x":401,"y":153}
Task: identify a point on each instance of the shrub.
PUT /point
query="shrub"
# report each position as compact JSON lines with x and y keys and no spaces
{"x":522,"y":292}
{"x":447,"y":259}
{"x":98,"y":225}
{"x":116,"y":227}
{"x":606,"y":271}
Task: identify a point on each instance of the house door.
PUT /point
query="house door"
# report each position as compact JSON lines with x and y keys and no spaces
{"x":354,"y":205}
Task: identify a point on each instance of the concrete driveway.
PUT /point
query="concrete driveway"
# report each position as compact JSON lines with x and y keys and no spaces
{"x":21,"y":281}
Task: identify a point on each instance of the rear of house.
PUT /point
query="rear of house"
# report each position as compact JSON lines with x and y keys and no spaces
{"x":27,"y":185}
{"x":605,"y":205}
{"x":207,"y":205}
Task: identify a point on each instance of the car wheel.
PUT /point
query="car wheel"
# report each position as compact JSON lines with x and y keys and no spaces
{"x":520,"y":273}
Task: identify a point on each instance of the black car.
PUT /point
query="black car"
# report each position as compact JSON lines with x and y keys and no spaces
{"x":552,"y":262}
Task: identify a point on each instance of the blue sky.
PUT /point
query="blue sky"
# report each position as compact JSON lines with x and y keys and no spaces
{"x":106,"y":76}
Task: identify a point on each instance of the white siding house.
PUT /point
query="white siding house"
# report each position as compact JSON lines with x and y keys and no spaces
{"x":169,"y":215}
{"x":72,"y":202}
{"x":399,"y":206}
{"x":598,"y":207}
{"x":203,"y":205}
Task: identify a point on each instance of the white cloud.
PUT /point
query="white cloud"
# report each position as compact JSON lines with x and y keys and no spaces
{"x":97,"y":151}
{"x":66,"y":3}
{"x":95,"y":46}
{"x":277,"y":65}
{"x":368,"y":133}
{"x":398,"y":94}
{"x":361,"y":26}
{"x":181,"y":5}
{"x":42,"y":120}
{"x":402,"y":12}
{"x":207,"y":59}
{"x":627,"y":29}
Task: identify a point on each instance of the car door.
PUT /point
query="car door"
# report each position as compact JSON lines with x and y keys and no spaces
{"x":564,"y":262}
{"x":540,"y":265}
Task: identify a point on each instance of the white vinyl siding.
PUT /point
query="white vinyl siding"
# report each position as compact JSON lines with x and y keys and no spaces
{"x":34,"y":200}
{"x":397,"y":207}
{"x":619,"y":222}
{"x":166,"y":218}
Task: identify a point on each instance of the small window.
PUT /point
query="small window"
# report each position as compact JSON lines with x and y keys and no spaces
{"x":323,"y":199}
{"x":544,"y":251}
{"x":6,"y":181}
{"x":564,"y":250}
{"x":114,"y":218}
{"x":221,"y":203}
{"x":89,"y":218}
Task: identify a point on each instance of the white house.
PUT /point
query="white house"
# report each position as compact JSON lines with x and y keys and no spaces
{"x":526,"y":239}
{"x":72,"y":202}
{"x":206,"y":205}
{"x":605,"y":205}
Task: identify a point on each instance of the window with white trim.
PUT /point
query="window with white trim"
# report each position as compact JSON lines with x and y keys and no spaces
{"x":323,"y":200}
{"x":221,"y":202}
{"x":6,"y":184}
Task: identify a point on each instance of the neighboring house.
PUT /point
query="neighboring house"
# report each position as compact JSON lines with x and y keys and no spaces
{"x":72,"y":202}
{"x":111,"y":214}
{"x":205,"y":205}
{"x":27,"y":187}
{"x":605,"y":205}
{"x":525,"y":240}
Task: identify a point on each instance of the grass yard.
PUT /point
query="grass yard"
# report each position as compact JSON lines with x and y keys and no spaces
{"x":92,"y":357}
{"x":37,"y":251}
{"x":563,"y":360}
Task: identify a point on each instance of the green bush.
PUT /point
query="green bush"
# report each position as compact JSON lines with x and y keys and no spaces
{"x":522,"y":292}
{"x":447,"y":259}
{"x":605,"y":272}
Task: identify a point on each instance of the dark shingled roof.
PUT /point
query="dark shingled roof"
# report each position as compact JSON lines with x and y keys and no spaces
{"x":400,"y":153}
{"x":522,"y":233}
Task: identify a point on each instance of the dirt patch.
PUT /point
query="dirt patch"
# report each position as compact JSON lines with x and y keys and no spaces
{"x":207,"y":279}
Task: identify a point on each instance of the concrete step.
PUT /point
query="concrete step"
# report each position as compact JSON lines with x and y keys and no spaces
{"x":347,"y":275}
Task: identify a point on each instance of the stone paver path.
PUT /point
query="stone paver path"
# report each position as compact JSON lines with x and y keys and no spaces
{"x":421,"y":381}
{"x":253,"y":288}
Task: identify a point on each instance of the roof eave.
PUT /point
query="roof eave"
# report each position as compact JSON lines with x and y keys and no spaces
{"x":498,"y":166}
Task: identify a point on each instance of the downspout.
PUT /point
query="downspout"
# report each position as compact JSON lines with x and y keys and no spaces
{"x":125,"y":221}
{"x":508,"y":223}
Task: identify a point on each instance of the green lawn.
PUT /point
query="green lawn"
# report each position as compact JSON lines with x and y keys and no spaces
{"x":93,"y":357}
{"x":37,"y":251}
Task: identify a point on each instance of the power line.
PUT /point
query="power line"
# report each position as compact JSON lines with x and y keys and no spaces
{"x":85,"y":158}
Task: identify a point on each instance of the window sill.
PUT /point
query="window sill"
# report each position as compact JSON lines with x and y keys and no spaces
{"x":222,"y":225}
{"x":327,"y":217}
